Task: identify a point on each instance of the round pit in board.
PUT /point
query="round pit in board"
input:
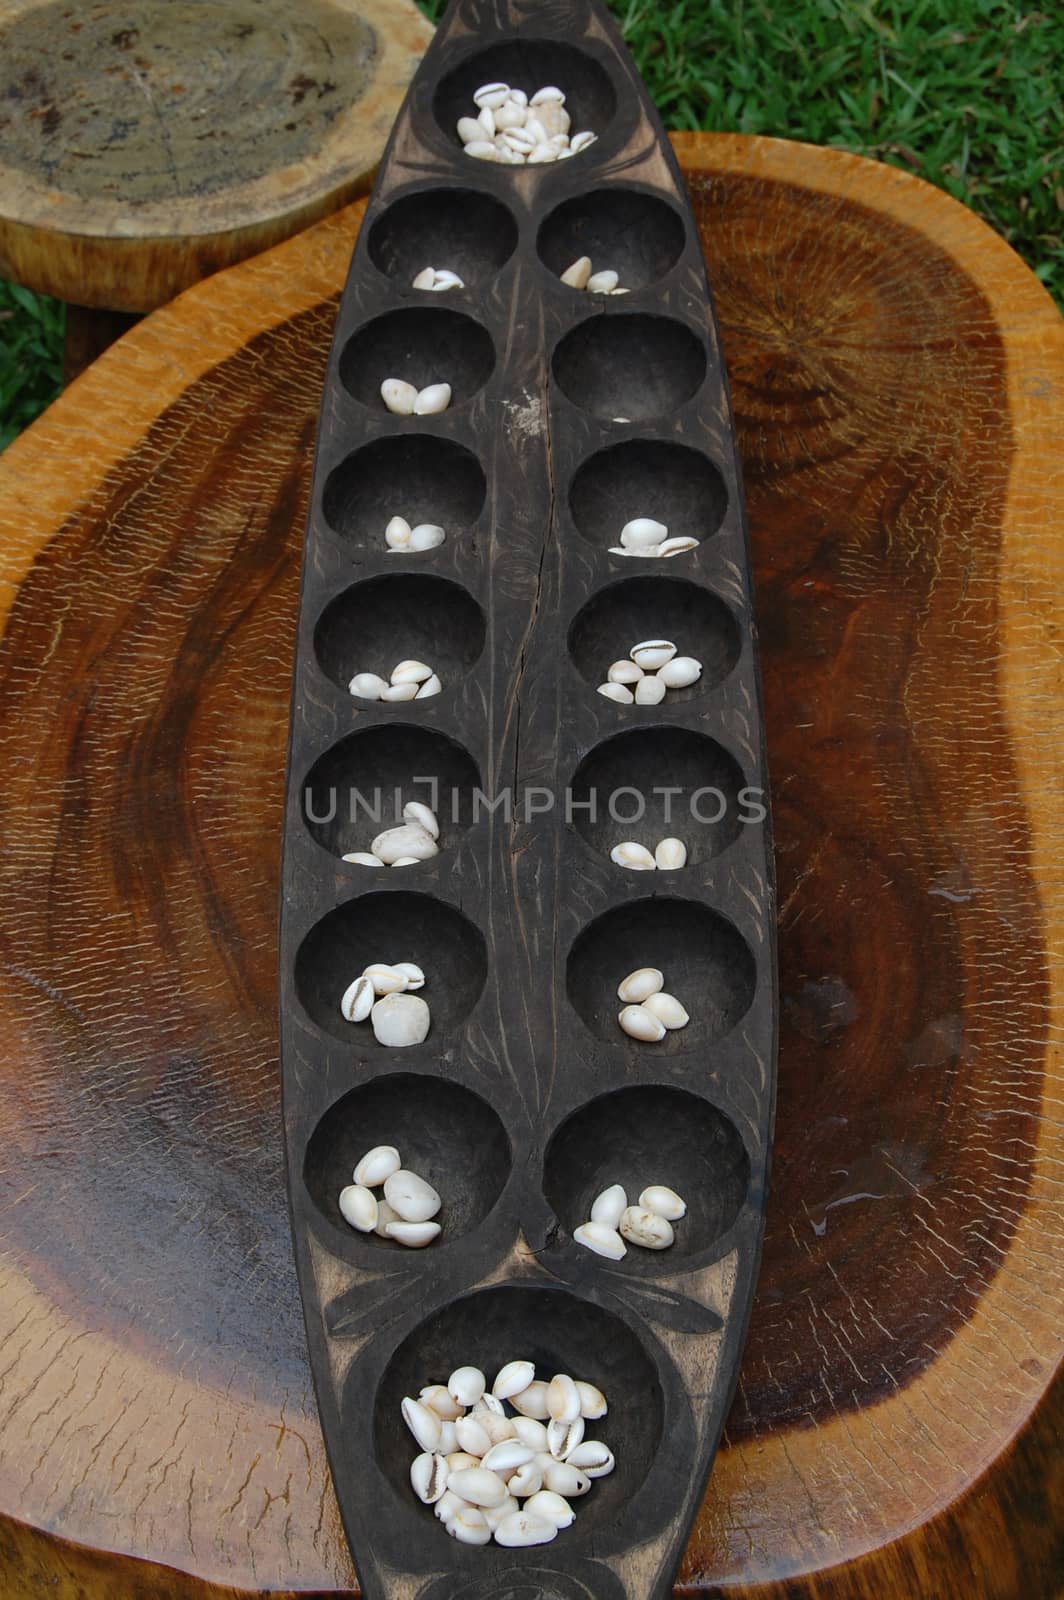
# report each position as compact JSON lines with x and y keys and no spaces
{"x":633,"y":365}
{"x":676,"y":486}
{"x":424,"y":481}
{"x":400,"y":616}
{"x":464,"y":231}
{"x":631,"y":610}
{"x":637,"y":235}
{"x":445,"y":1134}
{"x":624,"y":1145}
{"x":421,"y":347}
{"x":504,"y":75}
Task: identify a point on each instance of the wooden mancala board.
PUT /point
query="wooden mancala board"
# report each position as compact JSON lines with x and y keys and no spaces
{"x":571,"y":413}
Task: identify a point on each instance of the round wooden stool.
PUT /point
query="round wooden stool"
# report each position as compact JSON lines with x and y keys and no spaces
{"x":898,"y":377}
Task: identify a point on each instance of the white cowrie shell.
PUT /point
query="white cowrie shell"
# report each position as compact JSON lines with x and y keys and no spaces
{"x":678,"y":546}
{"x":624,"y":672}
{"x":592,"y":1400}
{"x":649,"y":691}
{"x":395,"y":693}
{"x":448,"y":1506}
{"x":481,"y":150}
{"x":440,"y":1399}
{"x":592,"y":1457}
{"x":634,"y":989}
{"x":563,"y":1437}
{"x":423,"y":815}
{"x":423,"y":1423}
{"x":642,"y":531}
{"x":498,"y":1427}
{"x":386,"y":979}
{"x":361,"y":858}
{"x":491,"y":94}
{"x":680,"y":672}
{"x":487,"y":121}
{"x":408,"y":839}
{"x":557,"y":141}
{"x":607,"y":1209}
{"x":563,"y":1400}
{"x":472,"y":1437}
{"x":385,"y":1216}
{"x":527,"y":1480}
{"x":554,"y":120}
{"x":541,"y":155}
{"x":357,"y":1000}
{"x":532,"y":1402}
{"x":663,"y":1201}
{"x":530,"y":1432}
{"x":469,"y":1526}
{"x":479,"y":1486}
{"x":415,"y":1235}
{"x":448,"y":1437}
{"x":469,"y":130}
{"x":636,"y":857}
{"x":650,"y":654}
{"x":646,"y":1228}
{"x":426,"y":536}
{"x":616,"y":691}
{"x":670,"y":854}
{"x":620,"y":290}
{"x":428,"y":1477}
{"x":493,"y":1515}
{"x":491,"y":1403}
{"x":563,"y":1479}
{"x":580,"y":141}
{"x":415,"y":1200}
{"x":667,"y":1009}
{"x":602,"y":1240}
{"x":522,"y":1529}
{"x":535,"y":129}
{"x":576,"y":276}
{"x":552,"y":1507}
{"x":415,"y":978}
{"x":424,"y":279}
{"x":512,"y":1378}
{"x":430,"y":687}
{"x":519,"y":97}
{"x":643,"y":552}
{"x":367,"y":686}
{"x":549,"y":95}
{"x":521,"y":140}
{"x":445,"y":279}
{"x":398,"y":396}
{"x":400,"y":1020}
{"x":459,"y":1460}
{"x":410,"y":672}
{"x":639,"y":1023}
{"x":508,"y":1455}
{"x":602,"y":282}
{"x":510,"y":115}
{"x":467,"y":1384}
{"x":358,"y":1206}
{"x":377,"y":1164}
{"x":435,"y":397}
{"x":398,"y":531}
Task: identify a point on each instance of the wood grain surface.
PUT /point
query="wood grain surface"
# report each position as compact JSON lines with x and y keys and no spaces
{"x":147,"y":143}
{"x":897,"y":376}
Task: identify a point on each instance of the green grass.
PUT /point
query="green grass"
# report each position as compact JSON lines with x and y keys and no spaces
{"x":963,"y":92}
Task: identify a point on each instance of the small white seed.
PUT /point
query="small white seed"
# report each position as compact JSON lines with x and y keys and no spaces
{"x":492,"y":94}
{"x":415,"y":1235}
{"x":680,"y":672}
{"x":408,"y":839}
{"x":670,"y":854}
{"x":522,"y":1529}
{"x":426,"y":536}
{"x":602,"y":282}
{"x":592,"y":1457}
{"x":386,"y":980}
{"x":362,"y":858}
{"x":479,"y":1486}
{"x":357,"y":1000}
{"x":562,"y":1437}
{"x":663,"y":1201}
{"x":592,"y":1401}
{"x":377,"y":1165}
{"x":639,"y":1023}
{"x":396,"y":693}
{"x":397,"y":533}
{"x":667,"y":1009}
{"x":644,"y":981}
{"x":440,"y":1399}
{"x":469,"y":1526}
{"x":531,"y":1432}
{"x":642,"y":531}
{"x":358,"y":1207}
{"x":508,"y":1455}
{"x":435,"y":397}
{"x":430,"y":687}
{"x":602,"y":1240}
{"x":532,"y":1402}
{"x":565,"y":1480}
{"x":472,"y":1437}
{"x":580,"y":141}
{"x":552,"y":1507}
{"x":398,"y":396}
{"x":423,"y":1423}
{"x":616,"y":691}
{"x":424,"y":279}
{"x":649,"y":691}
{"x":428,"y":1477}
{"x":651,"y":654}
{"x":385,"y":1216}
{"x":549,"y":95}
{"x":467,"y":1384}
{"x":636,"y":857}
{"x":607,"y":1209}
{"x":414,"y":1200}
{"x":367,"y":686}
{"x":512,"y":1378}
{"x":678,"y":546}
{"x":646,"y":1228}
{"x":469,"y":130}
{"x":410,"y":672}
{"x":576,"y":276}
{"x":400,"y":1020}
{"x":527,"y":1480}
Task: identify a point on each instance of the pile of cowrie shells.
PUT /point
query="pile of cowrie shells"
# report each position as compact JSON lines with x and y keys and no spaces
{"x":490,"y":1474}
{"x":406,"y":401}
{"x":644,"y":536}
{"x":647,"y":1224}
{"x":653,"y":667}
{"x":383,"y":995}
{"x":437,"y":280}
{"x":414,"y":839}
{"x":517,"y":130}
{"x":409,"y":1204}
{"x":581,"y":275}
{"x":668,"y":856}
{"x":649,"y":1013}
{"x":402,"y":539}
{"x":409,"y":680}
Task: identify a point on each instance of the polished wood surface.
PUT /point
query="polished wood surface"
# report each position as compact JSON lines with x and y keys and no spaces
{"x":897,"y":377}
